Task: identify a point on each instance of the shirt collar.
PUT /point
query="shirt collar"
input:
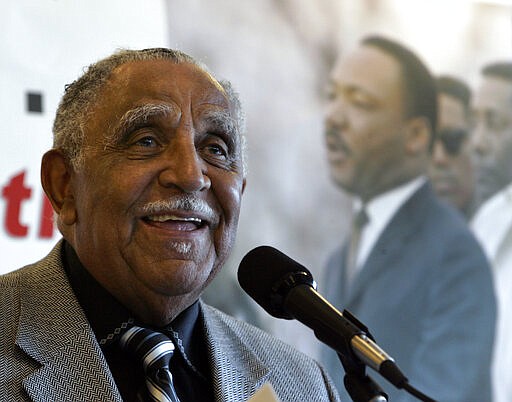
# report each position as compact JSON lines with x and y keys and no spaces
{"x":106,"y":315}
{"x":380,"y":211}
{"x":384,"y":206}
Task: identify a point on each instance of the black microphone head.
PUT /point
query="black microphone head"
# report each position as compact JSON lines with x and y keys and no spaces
{"x":267,"y":275}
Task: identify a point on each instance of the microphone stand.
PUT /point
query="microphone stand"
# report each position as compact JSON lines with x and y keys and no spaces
{"x":360,"y":386}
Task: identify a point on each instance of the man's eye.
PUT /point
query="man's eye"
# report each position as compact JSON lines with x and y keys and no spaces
{"x":146,"y":142}
{"x":216,"y":149}
{"x":362,"y":102}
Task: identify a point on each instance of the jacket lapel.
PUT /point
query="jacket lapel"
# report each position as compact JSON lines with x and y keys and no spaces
{"x":54,"y":331}
{"x":234,"y":378}
{"x":387,"y":248}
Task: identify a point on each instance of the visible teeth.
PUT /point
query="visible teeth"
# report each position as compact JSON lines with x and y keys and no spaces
{"x":164,"y":218}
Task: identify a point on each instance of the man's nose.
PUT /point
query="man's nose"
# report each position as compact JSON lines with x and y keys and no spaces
{"x":439,"y":156}
{"x":480,"y":140}
{"x":184,"y":167}
{"x":335,"y":114}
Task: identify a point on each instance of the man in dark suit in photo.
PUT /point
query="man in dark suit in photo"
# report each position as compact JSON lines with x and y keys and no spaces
{"x":411,"y":271}
{"x":146,"y":179}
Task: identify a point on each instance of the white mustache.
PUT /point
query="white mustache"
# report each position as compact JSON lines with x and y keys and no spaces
{"x":182,"y":203}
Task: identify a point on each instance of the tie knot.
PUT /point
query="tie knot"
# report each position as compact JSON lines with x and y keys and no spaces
{"x":361,"y":218}
{"x":153,"y":349}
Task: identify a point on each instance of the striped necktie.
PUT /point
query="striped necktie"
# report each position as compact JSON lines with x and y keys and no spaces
{"x":154,"y":350}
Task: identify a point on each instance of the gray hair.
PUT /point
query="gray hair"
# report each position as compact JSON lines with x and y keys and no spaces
{"x":81,"y":95}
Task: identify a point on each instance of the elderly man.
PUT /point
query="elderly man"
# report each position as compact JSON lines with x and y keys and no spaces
{"x":451,"y":168}
{"x":146,"y":178}
{"x":412,"y":271}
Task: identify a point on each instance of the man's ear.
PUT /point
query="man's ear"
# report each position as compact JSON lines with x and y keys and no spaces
{"x":56,"y":173}
{"x":419,"y":134}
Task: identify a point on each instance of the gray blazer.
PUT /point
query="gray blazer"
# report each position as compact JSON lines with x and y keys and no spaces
{"x":48,"y":351}
{"x":426,"y":294}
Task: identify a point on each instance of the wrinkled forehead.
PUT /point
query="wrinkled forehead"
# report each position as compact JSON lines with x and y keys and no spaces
{"x":179,"y":88}
{"x":165,"y":78}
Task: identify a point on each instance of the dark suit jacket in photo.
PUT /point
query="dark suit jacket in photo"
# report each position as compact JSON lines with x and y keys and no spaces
{"x":425,"y":292}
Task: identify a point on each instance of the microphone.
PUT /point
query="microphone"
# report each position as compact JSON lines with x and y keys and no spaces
{"x":286,"y":289}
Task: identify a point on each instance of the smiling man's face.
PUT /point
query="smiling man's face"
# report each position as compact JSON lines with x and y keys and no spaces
{"x":153,"y":211}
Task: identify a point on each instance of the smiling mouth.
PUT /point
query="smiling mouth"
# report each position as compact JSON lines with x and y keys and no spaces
{"x":174,"y":222}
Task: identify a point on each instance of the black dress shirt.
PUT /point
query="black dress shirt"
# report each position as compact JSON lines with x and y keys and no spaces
{"x":108,"y":318}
